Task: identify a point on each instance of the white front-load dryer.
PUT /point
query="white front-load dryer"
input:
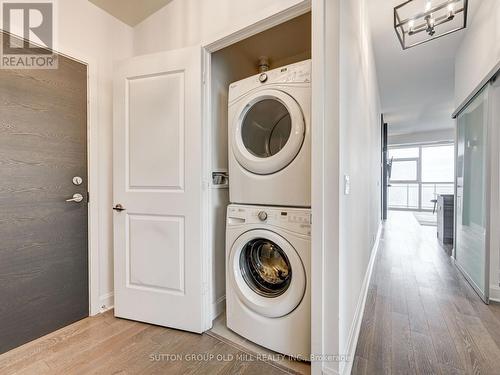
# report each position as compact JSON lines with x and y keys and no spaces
{"x":269,"y":136}
{"x":268,"y":298}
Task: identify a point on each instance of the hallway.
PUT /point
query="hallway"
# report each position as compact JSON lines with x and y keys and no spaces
{"x":421,"y":317}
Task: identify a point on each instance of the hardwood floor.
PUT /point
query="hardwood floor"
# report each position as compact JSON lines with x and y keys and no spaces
{"x":107,"y":345}
{"x":421,"y":317}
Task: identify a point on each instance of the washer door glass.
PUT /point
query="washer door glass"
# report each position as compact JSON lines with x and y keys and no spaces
{"x":266,"y":273}
{"x":266,"y":128}
{"x":265,"y":268}
{"x":268,"y":131}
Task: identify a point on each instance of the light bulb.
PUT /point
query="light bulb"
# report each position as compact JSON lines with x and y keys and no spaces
{"x":411,"y":25}
{"x":451,"y":11}
{"x":428,"y":6}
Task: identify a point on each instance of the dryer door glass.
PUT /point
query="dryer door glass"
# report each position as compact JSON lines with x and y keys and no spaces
{"x":265,"y":268}
{"x":266,"y":128}
{"x":267,"y":131}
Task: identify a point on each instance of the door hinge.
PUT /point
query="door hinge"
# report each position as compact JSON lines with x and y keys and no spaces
{"x":88,"y":197}
{"x":204,"y":77}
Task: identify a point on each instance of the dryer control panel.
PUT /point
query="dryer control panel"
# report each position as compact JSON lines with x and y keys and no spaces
{"x":293,"y":219}
{"x":298,"y":73}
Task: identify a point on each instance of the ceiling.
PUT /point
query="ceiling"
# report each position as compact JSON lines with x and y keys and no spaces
{"x":131,"y":12}
{"x":416,"y":85}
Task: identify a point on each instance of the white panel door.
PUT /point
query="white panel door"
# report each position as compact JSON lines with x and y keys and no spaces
{"x":158,"y":182}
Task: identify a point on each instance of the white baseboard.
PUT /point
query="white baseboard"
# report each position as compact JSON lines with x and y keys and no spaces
{"x":329,"y":371}
{"x":360,"y":309}
{"x":218,"y":307}
{"x":495,"y":293}
{"x":107,"y":302}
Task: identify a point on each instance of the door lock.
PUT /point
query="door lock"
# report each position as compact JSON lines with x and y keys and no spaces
{"x":77,"y":180}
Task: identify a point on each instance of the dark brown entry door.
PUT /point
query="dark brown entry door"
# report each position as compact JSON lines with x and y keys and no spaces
{"x":43,"y":238}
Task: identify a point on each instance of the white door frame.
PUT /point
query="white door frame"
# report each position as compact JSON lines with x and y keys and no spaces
{"x":211,"y":46}
{"x":92,"y":172}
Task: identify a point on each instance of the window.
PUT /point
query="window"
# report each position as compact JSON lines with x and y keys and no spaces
{"x":404,"y":153}
{"x":419,"y":174}
{"x":438,"y":164}
{"x":405,"y":170}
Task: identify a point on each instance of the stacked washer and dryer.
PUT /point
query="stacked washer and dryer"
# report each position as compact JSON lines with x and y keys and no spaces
{"x":268,"y":232}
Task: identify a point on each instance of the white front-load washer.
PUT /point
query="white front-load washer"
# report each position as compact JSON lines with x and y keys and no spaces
{"x":268,"y":298}
{"x":270,"y":138}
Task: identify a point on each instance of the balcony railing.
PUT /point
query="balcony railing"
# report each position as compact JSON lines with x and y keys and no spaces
{"x":416,"y":196}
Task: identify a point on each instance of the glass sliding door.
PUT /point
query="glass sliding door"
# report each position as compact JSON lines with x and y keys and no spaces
{"x":471,"y":246}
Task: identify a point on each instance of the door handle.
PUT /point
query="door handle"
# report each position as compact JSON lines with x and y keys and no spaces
{"x":76,"y":198}
{"x":119,"y":208}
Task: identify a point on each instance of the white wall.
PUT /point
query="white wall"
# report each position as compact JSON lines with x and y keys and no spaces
{"x":227,"y":67}
{"x":444,"y":135}
{"x":360,"y":129}
{"x":346,"y":141}
{"x":183,"y":23}
{"x":479,"y":52}
{"x":91,"y":33}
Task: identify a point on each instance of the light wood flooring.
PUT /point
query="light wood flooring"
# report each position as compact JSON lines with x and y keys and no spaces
{"x":107,"y":345}
{"x":421,"y":317}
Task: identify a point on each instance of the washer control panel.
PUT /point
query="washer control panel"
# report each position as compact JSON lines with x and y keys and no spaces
{"x":293,"y":219}
{"x":262,"y":215}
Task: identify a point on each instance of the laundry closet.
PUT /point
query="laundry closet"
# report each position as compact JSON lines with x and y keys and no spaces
{"x":198,"y":140}
{"x":274,"y":141}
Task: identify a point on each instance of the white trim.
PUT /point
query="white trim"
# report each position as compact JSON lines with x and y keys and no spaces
{"x":495,"y":293}
{"x":317,"y":178}
{"x":94,"y":232}
{"x":326,"y":184}
{"x":106,"y":302}
{"x":360,"y":309}
{"x":218,"y":307}
{"x":328,"y":371}
{"x":207,"y":224}
{"x":257,"y":24}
